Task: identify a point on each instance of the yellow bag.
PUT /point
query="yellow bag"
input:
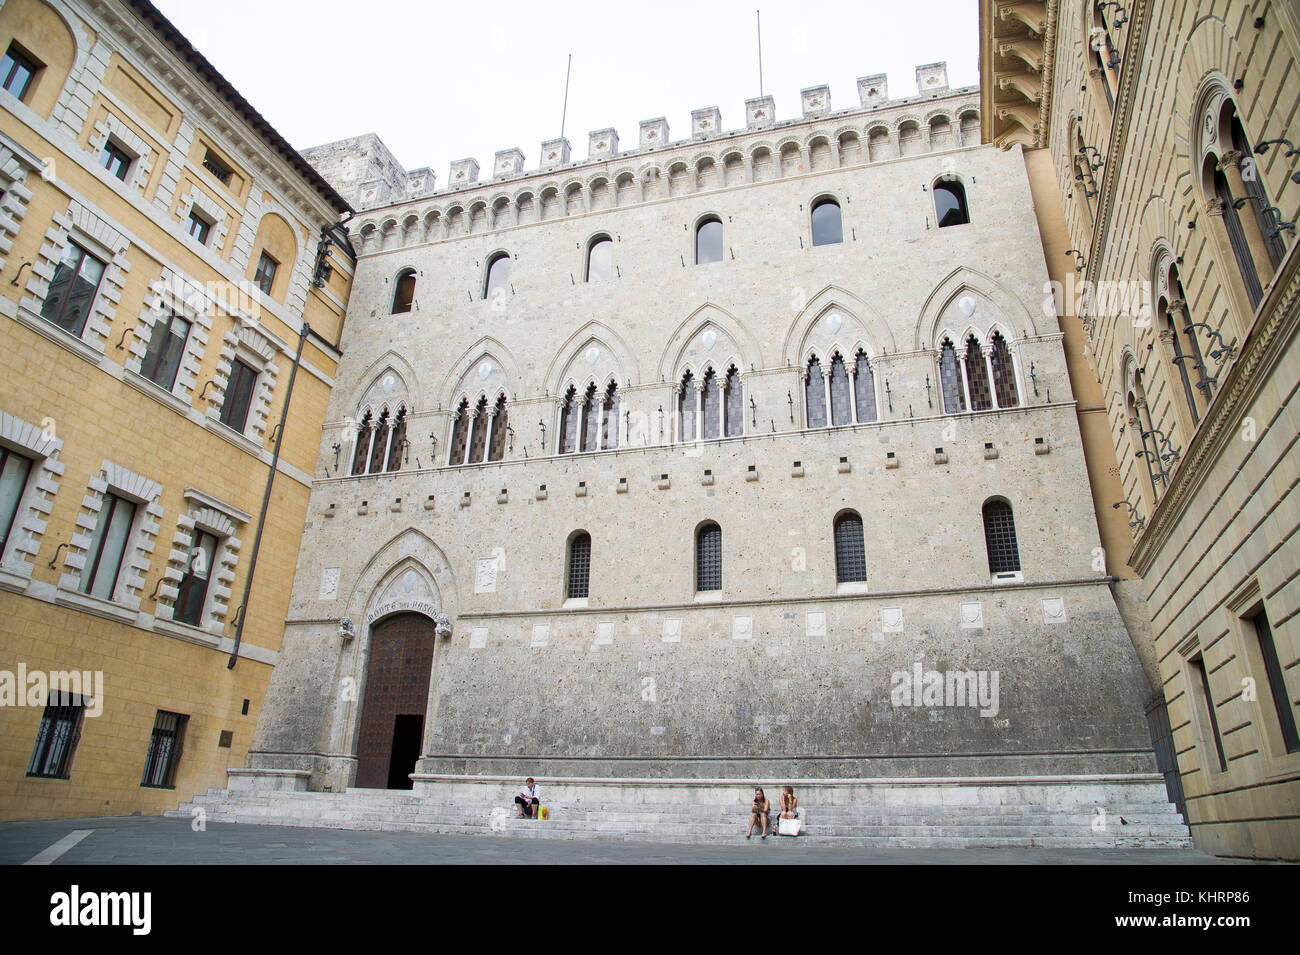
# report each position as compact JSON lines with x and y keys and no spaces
{"x":543,"y":813}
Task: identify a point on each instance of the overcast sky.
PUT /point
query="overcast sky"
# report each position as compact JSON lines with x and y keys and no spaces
{"x":440,"y":81}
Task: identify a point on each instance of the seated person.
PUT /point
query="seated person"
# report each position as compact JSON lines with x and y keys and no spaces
{"x":528,"y":799}
{"x":758,"y":810}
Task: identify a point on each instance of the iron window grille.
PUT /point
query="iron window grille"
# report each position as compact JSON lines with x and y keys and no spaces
{"x":57,"y":738}
{"x":164,"y":751}
{"x":708,"y":558}
{"x":850,"y":553}
{"x":579,"y":566}
{"x":1000,"y":538}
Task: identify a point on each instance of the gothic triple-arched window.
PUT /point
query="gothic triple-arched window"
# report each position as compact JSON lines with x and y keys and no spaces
{"x":588,"y":422}
{"x":380,"y":442}
{"x":842,"y":394}
{"x":982,"y":379}
{"x":711,"y":408}
{"x":478,"y":432}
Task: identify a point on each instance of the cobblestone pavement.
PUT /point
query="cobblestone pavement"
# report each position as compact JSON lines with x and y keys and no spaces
{"x":148,"y":840}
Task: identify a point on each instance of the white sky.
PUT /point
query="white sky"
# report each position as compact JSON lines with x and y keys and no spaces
{"x":441,"y":81}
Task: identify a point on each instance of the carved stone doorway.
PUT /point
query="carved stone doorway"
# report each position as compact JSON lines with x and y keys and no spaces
{"x":396,"y":695}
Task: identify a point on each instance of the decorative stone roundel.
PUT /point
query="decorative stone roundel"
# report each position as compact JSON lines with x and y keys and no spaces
{"x":967,"y":305}
{"x":408,"y":581}
{"x":593,"y":353}
{"x":710,"y":338}
{"x":834,"y":321}
{"x":389,"y":384}
{"x":484,"y":370}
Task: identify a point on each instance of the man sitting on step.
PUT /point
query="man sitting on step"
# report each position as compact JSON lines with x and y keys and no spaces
{"x":528,"y":799}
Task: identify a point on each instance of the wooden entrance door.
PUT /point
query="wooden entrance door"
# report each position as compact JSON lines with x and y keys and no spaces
{"x":396,"y":694}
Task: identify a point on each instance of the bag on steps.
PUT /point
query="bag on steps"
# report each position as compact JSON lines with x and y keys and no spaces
{"x":788,"y":827}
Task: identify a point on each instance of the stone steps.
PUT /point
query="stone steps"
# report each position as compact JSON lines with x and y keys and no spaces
{"x":1032,"y":811}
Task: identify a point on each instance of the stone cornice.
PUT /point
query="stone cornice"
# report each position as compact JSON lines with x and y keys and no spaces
{"x":1270,"y":337}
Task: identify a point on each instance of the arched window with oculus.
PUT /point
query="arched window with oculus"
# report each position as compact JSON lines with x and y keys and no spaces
{"x":578,"y":567}
{"x":588,"y":419}
{"x":381,"y":443}
{"x":1000,"y":540}
{"x":708,"y":240}
{"x":712,"y":407}
{"x":827,"y":224}
{"x":600,"y":259}
{"x":496,"y":282}
{"x":850,"y":552}
{"x":840,"y":393}
{"x":479,"y":430}
{"x":404,"y":291}
{"x":950,"y":203}
{"x":708,"y":558}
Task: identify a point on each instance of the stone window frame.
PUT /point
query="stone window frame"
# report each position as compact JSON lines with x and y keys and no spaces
{"x":1248,"y":602}
{"x":252,"y":346}
{"x":196,"y":198}
{"x":1008,"y":576}
{"x":204,"y":512}
{"x":146,"y":494}
{"x":37,"y":499}
{"x":173,"y":292}
{"x":100,"y":238}
{"x":15,"y":164}
{"x":985,"y":341}
{"x":1203,"y":715}
{"x":819,"y":200}
{"x":112,"y":127}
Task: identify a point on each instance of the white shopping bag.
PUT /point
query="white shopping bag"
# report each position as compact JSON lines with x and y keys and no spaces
{"x":788,"y":827}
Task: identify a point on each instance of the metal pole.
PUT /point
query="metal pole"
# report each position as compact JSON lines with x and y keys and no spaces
{"x":266,"y":500}
{"x":565,"y":114}
{"x":758,"y":16}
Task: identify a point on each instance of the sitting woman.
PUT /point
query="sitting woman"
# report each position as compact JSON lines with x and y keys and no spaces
{"x":758,"y":810}
{"x":789,"y":804}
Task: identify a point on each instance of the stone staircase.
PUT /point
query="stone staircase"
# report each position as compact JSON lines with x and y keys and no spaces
{"x":1129,"y":811}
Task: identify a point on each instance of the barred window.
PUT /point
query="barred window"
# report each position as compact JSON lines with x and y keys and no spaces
{"x":164,"y":750}
{"x":954,"y":395}
{"x":815,"y":394}
{"x":1000,"y":538}
{"x":850,"y":554}
{"x":977,"y":376}
{"x":579,"y":576}
{"x":708,"y":558}
{"x":58,"y":736}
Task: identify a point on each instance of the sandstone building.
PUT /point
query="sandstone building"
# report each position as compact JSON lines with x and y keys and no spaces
{"x":161,"y":248}
{"x":1158,"y":140}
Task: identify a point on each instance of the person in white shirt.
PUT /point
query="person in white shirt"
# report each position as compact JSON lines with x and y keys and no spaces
{"x":527,"y":799}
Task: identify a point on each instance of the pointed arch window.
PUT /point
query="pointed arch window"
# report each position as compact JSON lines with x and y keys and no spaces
{"x":708,"y":558}
{"x":950,"y":203}
{"x":815,"y":394}
{"x":459,"y":434}
{"x":864,"y":387}
{"x":950,"y":379}
{"x":590,"y":419}
{"x":735,"y":404}
{"x":478,"y":423}
{"x":361,"y":449}
{"x":570,"y":414}
{"x":977,"y":376}
{"x":827,"y":222}
{"x":397,"y":441}
{"x":841,"y":400}
{"x":687,"y":408}
{"x":609,"y":418}
{"x":600,"y":259}
{"x":850,"y":553}
{"x":1003,"y":369}
{"x":712,"y":405}
{"x":378,"y":444}
{"x":578,"y":576}
{"x":1000,"y":539}
{"x":497,"y":282}
{"x":708,"y":241}
{"x":404,"y":291}
{"x":497,"y":437}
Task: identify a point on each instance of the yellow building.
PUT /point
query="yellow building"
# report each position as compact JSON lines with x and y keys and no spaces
{"x":1159,"y":140}
{"x":165,"y":256}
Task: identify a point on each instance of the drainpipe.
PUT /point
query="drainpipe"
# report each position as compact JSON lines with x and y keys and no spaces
{"x":266,"y":499}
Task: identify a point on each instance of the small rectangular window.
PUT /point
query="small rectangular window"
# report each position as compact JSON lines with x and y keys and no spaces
{"x":17,"y":71}
{"x":57,"y":738}
{"x":108,"y":547}
{"x":579,"y":566}
{"x":199,"y":227}
{"x":162,"y":359}
{"x":265,"y":275}
{"x":239,"y":395}
{"x":164,"y":750}
{"x":1276,"y":681}
{"x":72,"y":290}
{"x":215,"y":166}
{"x":708,"y":558}
{"x":115,"y":159}
{"x":14,"y":471}
{"x":1205,"y":701}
